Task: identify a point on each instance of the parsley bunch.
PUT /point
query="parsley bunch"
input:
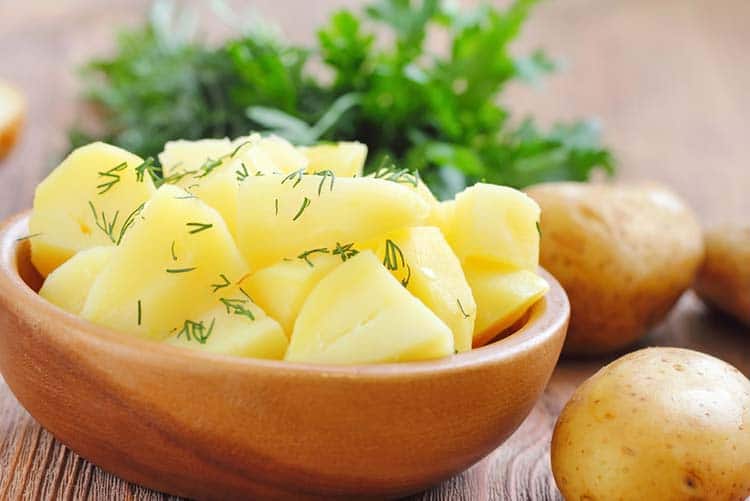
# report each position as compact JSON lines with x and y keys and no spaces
{"x":436,"y":113}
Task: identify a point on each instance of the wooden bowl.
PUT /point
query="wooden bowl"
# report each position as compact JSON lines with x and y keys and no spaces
{"x":217,"y":427}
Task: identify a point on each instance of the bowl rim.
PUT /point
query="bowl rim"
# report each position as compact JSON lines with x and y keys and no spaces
{"x":546,"y":319}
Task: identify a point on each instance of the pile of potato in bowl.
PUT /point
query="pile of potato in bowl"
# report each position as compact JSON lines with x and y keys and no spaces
{"x":254,"y":247}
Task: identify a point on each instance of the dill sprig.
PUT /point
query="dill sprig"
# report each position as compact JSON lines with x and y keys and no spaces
{"x":242,"y":174}
{"x":171,"y":249}
{"x":207,"y":168}
{"x":112,"y":175}
{"x":539,"y":229}
{"x":305,"y":256}
{"x":181,"y":270}
{"x":295,"y":176}
{"x":391,"y":173}
{"x":176,"y":177}
{"x":393,"y":256}
{"x":326,"y":174}
{"x":140,"y":312}
{"x":461,"y":307}
{"x":108,"y":225}
{"x":305,"y":204}
{"x":148,"y":165}
{"x":198,"y":227}
{"x":276,"y":204}
{"x":21,"y":239}
{"x":196,"y":331}
{"x":237,"y":307}
{"x":225,"y":283}
{"x":237,"y":149}
{"x":345,"y":251}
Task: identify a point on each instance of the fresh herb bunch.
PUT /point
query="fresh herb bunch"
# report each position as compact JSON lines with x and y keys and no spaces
{"x":429,"y":112}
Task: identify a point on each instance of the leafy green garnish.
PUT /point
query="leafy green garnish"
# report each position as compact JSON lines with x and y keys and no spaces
{"x":237,"y":307}
{"x":305,"y":256}
{"x":225,"y":283}
{"x":436,"y":113}
{"x":111,"y":177}
{"x":196,"y":331}
{"x":108,"y":225}
{"x":394,"y":260}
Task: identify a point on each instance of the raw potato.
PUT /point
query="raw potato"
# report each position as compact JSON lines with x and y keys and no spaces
{"x":658,"y":424}
{"x":164,"y":271}
{"x":376,"y":320}
{"x":282,"y":217}
{"x":68,"y":286}
{"x":624,"y":255}
{"x":97,"y":175}
{"x":12,"y":111}
{"x":724,"y":279}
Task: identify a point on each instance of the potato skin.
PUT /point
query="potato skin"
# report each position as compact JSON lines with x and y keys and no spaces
{"x":624,"y":255}
{"x":724,"y":279}
{"x":659,"y":423}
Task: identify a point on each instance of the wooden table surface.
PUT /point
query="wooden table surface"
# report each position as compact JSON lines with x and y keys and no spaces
{"x":668,"y":80}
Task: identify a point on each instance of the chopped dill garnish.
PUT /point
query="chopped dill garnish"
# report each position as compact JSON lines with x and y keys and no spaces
{"x":196,"y":331}
{"x":246,"y":294}
{"x":539,"y":229}
{"x":237,"y":307}
{"x":461,"y":307}
{"x":113,"y":177}
{"x":276,"y":203}
{"x":345,"y":251}
{"x":180,"y":270}
{"x":139,"y":312}
{"x":28,"y":237}
{"x":305,"y":205}
{"x":296,"y":176}
{"x":176,"y":177}
{"x":108,"y":225}
{"x":258,"y":173}
{"x":185,"y":197}
{"x":326,"y":174}
{"x":242,"y":174}
{"x":208,"y":166}
{"x":198,"y":227}
{"x":171,"y":249}
{"x":148,"y":165}
{"x":306,"y":255}
{"x":389,"y":172}
{"x":237,"y":149}
{"x":391,"y":260}
{"x":222,"y":285}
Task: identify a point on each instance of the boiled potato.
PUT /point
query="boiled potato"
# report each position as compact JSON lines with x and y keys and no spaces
{"x":624,"y":255}
{"x":85,"y":202}
{"x":658,"y":424}
{"x":68,"y":286}
{"x":497,"y":224}
{"x":421,"y":259}
{"x":502,"y":294}
{"x":184,"y":156}
{"x":235,"y":326}
{"x":376,"y":319}
{"x":282,"y":288}
{"x":345,"y":159}
{"x":724,"y":278}
{"x":172,"y":265}
{"x":12,"y":112}
{"x":285,"y":216}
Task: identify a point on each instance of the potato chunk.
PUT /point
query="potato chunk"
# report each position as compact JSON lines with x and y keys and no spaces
{"x":69,"y":285}
{"x":282,"y":217}
{"x":359,"y":313}
{"x":420,"y":258}
{"x":85,"y":202}
{"x":166,"y":269}
{"x":236,"y":327}
{"x":503,"y":295}
{"x":345,"y":159}
{"x":497,"y":224}
{"x":282,"y":288}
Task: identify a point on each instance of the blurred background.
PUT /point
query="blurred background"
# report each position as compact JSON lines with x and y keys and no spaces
{"x":666,"y":79}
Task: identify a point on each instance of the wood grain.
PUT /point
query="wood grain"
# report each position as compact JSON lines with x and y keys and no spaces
{"x":668,"y":80}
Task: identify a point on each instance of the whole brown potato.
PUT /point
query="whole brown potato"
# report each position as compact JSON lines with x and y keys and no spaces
{"x":624,"y":254}
{"x":657,"y":424}
{"x":724,"y":279}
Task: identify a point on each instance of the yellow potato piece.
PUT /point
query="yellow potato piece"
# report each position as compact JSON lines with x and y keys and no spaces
{"x":183,"y":155}
{"x":345,"y":159}
{"x":244,"y":332}
{"x":97,"y":175}
{"x":432,"y":272}
{"x":282,"y":217}
{"x":69,"y":285}
{"x":166,"y":267}
{"x":503,"y":295}
{"x":282,"y":288}
{"x":497,"y":224}
{"x":360,"y":314}
{"x":283,"y":154}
